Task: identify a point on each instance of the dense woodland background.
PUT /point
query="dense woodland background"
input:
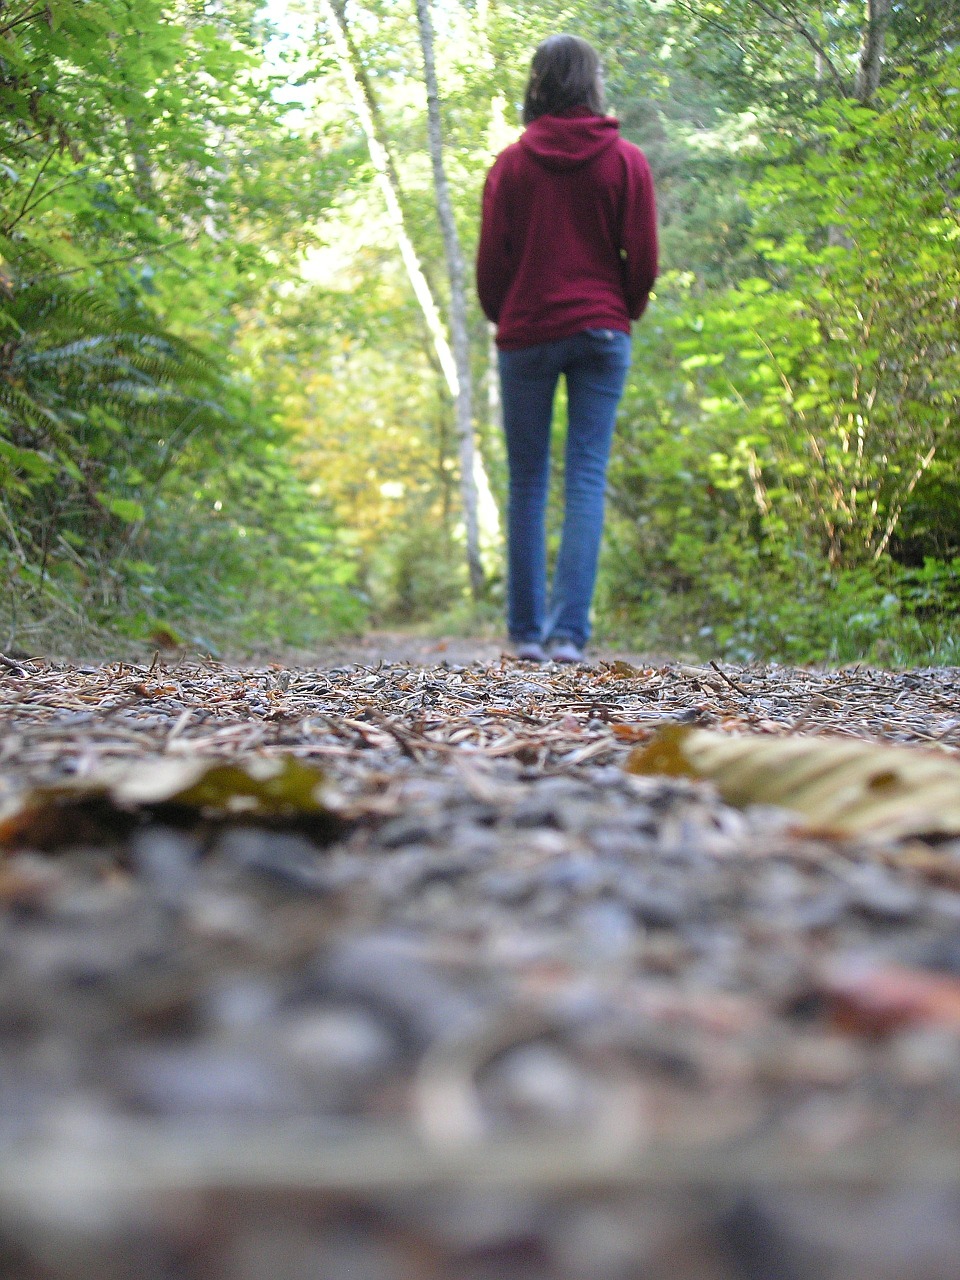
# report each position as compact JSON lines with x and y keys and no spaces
{"x":229,"y":411}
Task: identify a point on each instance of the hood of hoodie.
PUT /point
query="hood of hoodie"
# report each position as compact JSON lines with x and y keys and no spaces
{"x":571,"y":140}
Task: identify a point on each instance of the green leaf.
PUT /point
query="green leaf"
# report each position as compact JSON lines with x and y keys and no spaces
{"x":123,"y":508}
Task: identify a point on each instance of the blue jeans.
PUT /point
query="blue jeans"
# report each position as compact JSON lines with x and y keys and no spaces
{"x":595,"y":364}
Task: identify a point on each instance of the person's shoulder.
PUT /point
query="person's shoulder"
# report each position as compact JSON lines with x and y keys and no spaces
{"x":506,"y":163}
{"x":509,"y":156}
{"x":632,"y":162}
{"x":630,"y":151}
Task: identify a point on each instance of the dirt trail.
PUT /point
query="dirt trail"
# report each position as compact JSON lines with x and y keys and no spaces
{"x":408,"y":646}
{"x":497,"y":1008}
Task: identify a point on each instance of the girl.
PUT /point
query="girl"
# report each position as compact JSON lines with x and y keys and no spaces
{"x":567,"y":258}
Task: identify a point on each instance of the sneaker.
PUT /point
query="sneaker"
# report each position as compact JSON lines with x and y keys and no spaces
{"x":566,"y":651}
{"x":531,"y":652}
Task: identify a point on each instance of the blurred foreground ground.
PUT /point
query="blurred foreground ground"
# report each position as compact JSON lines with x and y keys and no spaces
{"x":498,"y":1009}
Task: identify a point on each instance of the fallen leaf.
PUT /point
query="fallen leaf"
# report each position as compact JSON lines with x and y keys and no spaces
{"x":666,"y":754}
{"x":257,"y":788}
{"x":841,"y":787}
{"x":164,"y":636}
{"x":623,"y":669}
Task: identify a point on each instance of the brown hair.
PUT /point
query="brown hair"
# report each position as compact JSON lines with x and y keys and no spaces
{"x":565,"y":72}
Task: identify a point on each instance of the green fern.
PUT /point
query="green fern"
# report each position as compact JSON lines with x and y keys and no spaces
{"x":99,"y":389}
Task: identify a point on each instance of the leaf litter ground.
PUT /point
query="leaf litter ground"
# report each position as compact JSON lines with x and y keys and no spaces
{"x":473,"y":999}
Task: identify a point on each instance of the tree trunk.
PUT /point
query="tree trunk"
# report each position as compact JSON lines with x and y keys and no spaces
{"x":354,"y":68}
{"x":871,"y":49}
{"x":867,"y":79}
{"x":142,"y":167}
{"x":458,"y":302}
{"x":474,"y":482}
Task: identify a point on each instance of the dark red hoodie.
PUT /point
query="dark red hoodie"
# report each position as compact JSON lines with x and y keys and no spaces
{"x":568,"y":239}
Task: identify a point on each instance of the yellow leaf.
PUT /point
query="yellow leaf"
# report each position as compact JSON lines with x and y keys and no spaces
{"x":666,"y":754}
{"x":840,"y":787}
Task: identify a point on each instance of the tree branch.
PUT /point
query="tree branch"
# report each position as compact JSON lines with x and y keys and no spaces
{"x":21,"y":19}
{"x":710,"y":22}
{"x":896,"y":511}
{"x":29,"y":205}
{"x":788,"y":19}
{"x":105,"y":262}
{"x":33,"y":186}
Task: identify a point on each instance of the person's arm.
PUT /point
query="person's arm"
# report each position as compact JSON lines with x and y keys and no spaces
{"x":638,"y":234}
{"x":493,"y":252}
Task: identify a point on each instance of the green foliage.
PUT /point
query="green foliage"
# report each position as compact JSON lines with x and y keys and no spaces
{"x":206,"y":574}
{"x":416,"y":573}
{"x":748,"y":609}
{"x":788,"y":446}
{"x":147,"y":178}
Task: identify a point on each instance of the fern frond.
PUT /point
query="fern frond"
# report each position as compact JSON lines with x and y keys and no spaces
{"x":58,"y":355}
{"x":38,"y":416}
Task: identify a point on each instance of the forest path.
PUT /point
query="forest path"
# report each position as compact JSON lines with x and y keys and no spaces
{"x":498,"y":961}
{"x":61,"y":718}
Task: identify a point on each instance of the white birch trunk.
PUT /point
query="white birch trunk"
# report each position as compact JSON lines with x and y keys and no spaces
{"x":475,"y":486}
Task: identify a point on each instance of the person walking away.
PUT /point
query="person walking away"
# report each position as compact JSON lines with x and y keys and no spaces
{"x":567,"y":258}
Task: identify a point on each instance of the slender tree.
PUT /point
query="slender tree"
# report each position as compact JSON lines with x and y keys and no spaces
{"x":454,"y":361}
{"x":458,"y":301}
{"x":871,"y":49}
{"x":364,"y":105}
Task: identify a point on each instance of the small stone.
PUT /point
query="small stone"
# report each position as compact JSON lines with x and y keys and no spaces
{"x":240,"y":1003}
{"x":662,"y":952}
{"x":658,"y":906}
{"x":538,"y":1084}
{"x":477,"y":843}
{"x":943,"y":954}
{"x":944,"y":904}
{"x":510,"y":887}
{"x":926,"y":1057}
{"x":397,"y":876}
{"x":28,"y":881}
{"x":537,"y":811}
{"x":341,"y":1040}
{"x":608,"y":931}
{"x":166,"y":860}
{"x":619,"y":838}
{"x":576,"y":874}
{"x":222,"y":917}
{"x":812,"y":1059}
{"x":207,"y":1080}
{"x":384,"y":972}
{"x":880,"y":897}
{"x":289,"y":861}
{"x":819,"y":910}
{"x":546,"y":843}
{"x":411,"y":828}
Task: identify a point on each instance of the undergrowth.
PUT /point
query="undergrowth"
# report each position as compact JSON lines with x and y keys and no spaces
{"x":890,"y":617}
